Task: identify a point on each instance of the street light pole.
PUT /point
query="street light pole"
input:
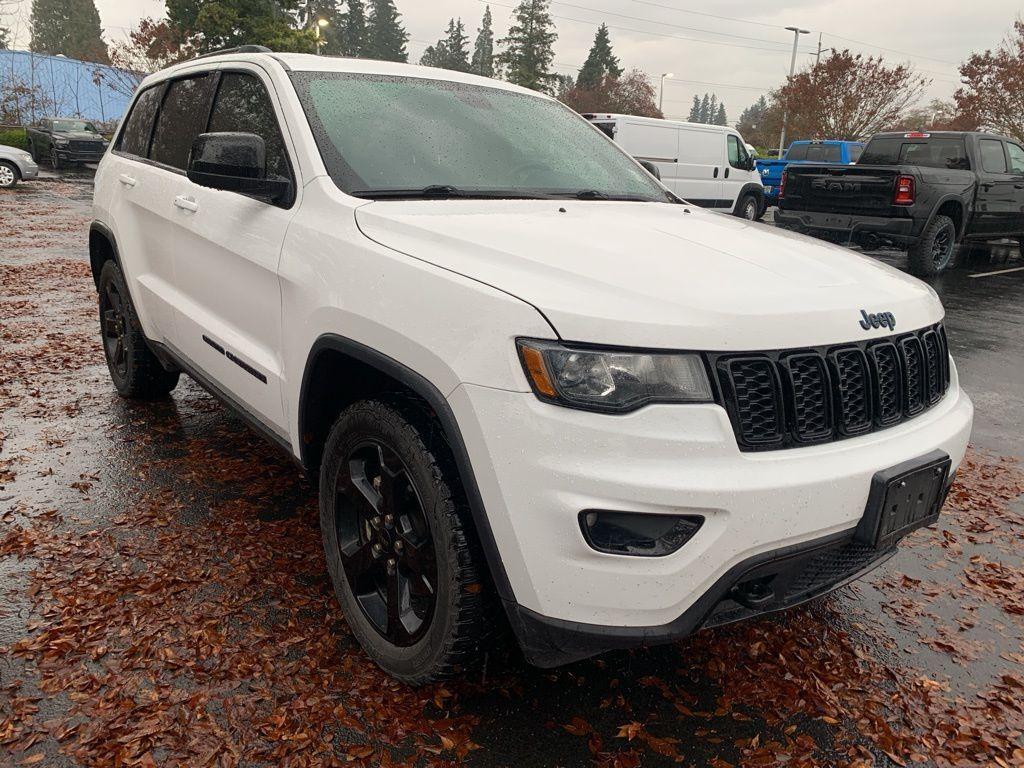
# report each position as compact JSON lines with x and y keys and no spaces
{"x":320,"y":25}
{"x":792,"y":70}
{"x":661,"y":96}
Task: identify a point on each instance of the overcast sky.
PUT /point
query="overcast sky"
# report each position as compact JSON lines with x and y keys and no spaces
{"x":738,"y":49}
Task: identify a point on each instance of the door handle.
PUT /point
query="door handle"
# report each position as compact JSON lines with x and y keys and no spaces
{"x":127,"y":180}
{"x":716,"y":172}
{"x":186,"y":203}
{"x":727,"y":173}
{"x":1018,"y":186}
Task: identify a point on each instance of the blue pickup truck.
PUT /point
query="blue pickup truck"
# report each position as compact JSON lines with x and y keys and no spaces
{"x":836,"y":152}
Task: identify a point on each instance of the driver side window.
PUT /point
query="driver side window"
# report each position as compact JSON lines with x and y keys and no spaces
{"x":1016,"y":153}
{"x":738,"y":157}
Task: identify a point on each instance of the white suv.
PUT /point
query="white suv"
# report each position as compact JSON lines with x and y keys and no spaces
{"x":527,"y":376}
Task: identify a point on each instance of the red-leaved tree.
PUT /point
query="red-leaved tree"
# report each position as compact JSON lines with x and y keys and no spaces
{"x":993,"y":92}
{"x":631,"y":94}
{"x":150,"y":47}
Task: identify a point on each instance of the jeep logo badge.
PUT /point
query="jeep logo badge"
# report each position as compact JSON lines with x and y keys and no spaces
{"x":881,"y":320}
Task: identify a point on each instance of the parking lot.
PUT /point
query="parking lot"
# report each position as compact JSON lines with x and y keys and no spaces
{"x":164,"y":598}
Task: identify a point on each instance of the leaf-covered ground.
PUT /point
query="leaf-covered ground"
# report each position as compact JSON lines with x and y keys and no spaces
{"x":164,"y":601}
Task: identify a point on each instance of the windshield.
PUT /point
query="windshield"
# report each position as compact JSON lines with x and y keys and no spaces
{"x":69,"y":126}
{"x":928,"y":153}
{"x":380,"y":134}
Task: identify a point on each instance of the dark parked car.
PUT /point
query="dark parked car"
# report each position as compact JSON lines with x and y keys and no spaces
{"x":66,"y":140}
{"x":926,"y":192}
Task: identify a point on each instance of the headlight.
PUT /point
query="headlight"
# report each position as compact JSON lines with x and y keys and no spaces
{"x":61,"y":142}
{"x":610,"y":380}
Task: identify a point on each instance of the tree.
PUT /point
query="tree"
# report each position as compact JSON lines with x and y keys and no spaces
{"x":720,"y":116}
{"x":70,"y":28}
{"x":939,"y":115}
{"x":600,"y":63}
{"x":451,"y":52}
{"x":993,"y":92}
{"x":846,"y":96}
{"x":483,"y":50}
{"x":150,"y":47}
{"x":705,"y":109}
{"x":695,"y":110}
{"x":386,"y":37}
{"x":352,"y":30}
{"x":209,"y":25}
{"x":331,"y":34}
{"x":754,"y":124}
{"x":5,"y":34}
{"x":529,"y":47}
{"x":631,"y":94}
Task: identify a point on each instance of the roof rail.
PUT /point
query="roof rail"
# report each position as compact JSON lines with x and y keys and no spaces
{"x":236,"y":49}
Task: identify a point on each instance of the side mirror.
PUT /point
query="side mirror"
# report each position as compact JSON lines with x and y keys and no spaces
{"x":235,"y":162}
{"x":651,"y":168}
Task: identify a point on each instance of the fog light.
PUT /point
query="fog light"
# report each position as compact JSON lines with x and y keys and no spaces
{"x":630,"y":533}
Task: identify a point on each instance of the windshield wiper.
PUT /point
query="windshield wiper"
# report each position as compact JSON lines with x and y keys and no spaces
{"x":448,"y":191}
{"x":596,"y":194}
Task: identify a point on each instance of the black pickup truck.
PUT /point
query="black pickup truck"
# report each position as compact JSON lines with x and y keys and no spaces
{"x":926,"y":192}
{"x":65,"y":140}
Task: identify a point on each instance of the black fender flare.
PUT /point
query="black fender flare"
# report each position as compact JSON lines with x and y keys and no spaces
{"x":422,"y":387}
{"x":965,"y":207}
{"x":98,"y":228}
{"x":750,"y":188}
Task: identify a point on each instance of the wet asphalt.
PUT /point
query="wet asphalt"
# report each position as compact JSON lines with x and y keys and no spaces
{"x":104,"y":502}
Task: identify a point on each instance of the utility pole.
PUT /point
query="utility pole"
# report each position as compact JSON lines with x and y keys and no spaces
{"x":792,"y":70}
{"x":817,"y":59}
{"x":661,"y":97}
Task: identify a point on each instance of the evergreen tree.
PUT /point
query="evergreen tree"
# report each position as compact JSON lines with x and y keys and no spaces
{"x":529,"y":47}
{"x":695,"y":110}
{"x":483,"y":50}
{"x":564,"y":84}
{"x":720,"y":117}
{"x":386,"y":37}
{"x":712,"y":110}
{"x":600,"y":63}
{"x":704,"y":116}
{"x":4,"y":35}
{"x":210,"y":25}
{"x":70,"y":28}
{"x":450,"y":52}
{"x":331,"y":35}
{"x":353,"y":30}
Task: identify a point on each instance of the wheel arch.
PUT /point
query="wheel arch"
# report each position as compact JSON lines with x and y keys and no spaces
{"x":750,"y":188}
{"x":102,"y":248}
{"x":340,"y":371}
{"x":954,"y":207}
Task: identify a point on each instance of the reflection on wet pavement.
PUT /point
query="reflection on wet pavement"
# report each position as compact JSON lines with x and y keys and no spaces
{"x":164,"y":600}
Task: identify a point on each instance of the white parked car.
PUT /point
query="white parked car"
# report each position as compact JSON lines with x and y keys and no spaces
{"x":525,"y":376}
{"x":16,"y":165}
{"x":707,"y":165}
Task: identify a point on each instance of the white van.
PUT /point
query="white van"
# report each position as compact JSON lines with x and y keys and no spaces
{"x":707,"y":165}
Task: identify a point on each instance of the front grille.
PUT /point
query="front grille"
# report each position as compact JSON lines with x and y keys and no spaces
{"x":87,"y":147}
{"x":797,"y":397}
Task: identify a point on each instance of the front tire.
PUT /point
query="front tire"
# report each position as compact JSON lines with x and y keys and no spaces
{"x":406,"y":567}
{"x":134,"y":369}
{"x":935,"y":251}
{"x":55,"y":160}
{"x":749,"y":208}
{"x":9,"y":175}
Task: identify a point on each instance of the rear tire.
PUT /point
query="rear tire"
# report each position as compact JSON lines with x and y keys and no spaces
{"x":935,"y":251}
{"x":136,"y":372}
{"x":9,"y":175}
{"x":405,"y":563}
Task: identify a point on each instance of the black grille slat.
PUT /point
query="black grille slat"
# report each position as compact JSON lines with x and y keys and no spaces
{"x":888,"y":381}
{"x":912,"y":357}
{"x":758,"y":407}
{"x":934,"y":375}
{"x":810,"y":395}
{"x":789,"y":398}
{"x":852,"y":391}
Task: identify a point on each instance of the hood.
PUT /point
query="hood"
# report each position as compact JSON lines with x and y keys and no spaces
{"x":656,"y":275}
{"x":78,"y":135}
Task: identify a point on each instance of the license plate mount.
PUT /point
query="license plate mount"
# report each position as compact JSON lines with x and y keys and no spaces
{"x":904,"y":498}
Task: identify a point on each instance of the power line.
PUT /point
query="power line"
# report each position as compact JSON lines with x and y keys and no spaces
{"x":710,"y":15}
{"x":653,"y":34}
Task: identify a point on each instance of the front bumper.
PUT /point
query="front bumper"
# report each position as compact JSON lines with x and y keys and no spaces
{"x":845,"y":226}
{"x":538,"y":465}
{"x":29,"y":170}
{"x":74,"y":156}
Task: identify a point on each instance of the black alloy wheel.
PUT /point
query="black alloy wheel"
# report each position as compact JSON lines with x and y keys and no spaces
{"x":115,"y":328}
{"x":943,"y":246}
{"x":385,"y":544}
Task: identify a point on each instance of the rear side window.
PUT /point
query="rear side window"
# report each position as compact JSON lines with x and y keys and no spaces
{"x":992,"y":158}
{"x":139,"y":125}
{"x":950,"y":154}
{"x":182,"y":118}
{"x":1016,"y":153}
{"x":243,"y":105}
{"x":856,"y":150}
